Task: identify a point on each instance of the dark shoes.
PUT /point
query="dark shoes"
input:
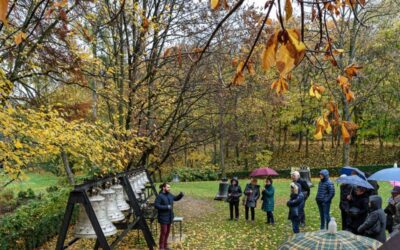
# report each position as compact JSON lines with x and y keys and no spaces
{"x":302,"y":224}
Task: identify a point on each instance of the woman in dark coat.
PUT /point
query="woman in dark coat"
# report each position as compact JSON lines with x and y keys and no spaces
{"x":294,"y":203}
{"x":234,"y":193}
{"x":268,"y":200}
{"x":164,"y":203}
{"x":358,"y":210}
{"x":252,"y":192}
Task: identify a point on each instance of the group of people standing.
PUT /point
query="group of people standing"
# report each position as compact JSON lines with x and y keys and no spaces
{"x":361,"y":209}
{"x":252,"y":194}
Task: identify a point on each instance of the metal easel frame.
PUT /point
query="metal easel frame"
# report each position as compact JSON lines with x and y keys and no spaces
{"x":79,"y":195}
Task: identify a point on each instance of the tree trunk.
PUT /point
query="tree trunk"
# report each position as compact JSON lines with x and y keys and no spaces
{"x":68,"y":171}
{"x":307,"y":140}
{"x":221,"y":144}
{"x":300,"y":141}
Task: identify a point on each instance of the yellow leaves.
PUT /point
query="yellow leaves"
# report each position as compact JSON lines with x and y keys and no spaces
{"x":19,"y":37}
{"x":352,"y":70}
{"x":280,"y":85}
{"x":215,"y":4}
{"x":288,"y":9}
{"x":239,"y":76}
{"x":269,"y":52}
{"x":322,"y":125}
{"x":18,"y":144}
{"x":5,"y":86}
{"x":316,"y":91}
{"x":3,"y":11}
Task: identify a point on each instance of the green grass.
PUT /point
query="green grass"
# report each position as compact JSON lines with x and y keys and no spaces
{"x":207,"y":227}
{"x":38,"y":182}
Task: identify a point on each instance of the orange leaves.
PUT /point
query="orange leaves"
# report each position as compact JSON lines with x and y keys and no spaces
{"x":287,"y":55}
{"x":3,"y":11}
{"x":285,"y":50}
{"x":344,"y":82}
{"x":239,"y":76}
{"x":215,"y":4}
{"x":345,"y":85}
{"x":352,"y":70}
{"x":280,"y":85}
{"x":348,"y":130}
{"x":288,"y":9}
{"x":284,"y":61}
{"x":316,"y":91}
{"x":19,"y":37}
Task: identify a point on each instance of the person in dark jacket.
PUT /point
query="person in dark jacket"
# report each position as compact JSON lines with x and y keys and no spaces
{"x":375,"y":224}
{"x":344,"y":205}
{"x":374,"y":184}
{"x":358,"y":210}
{"x":268,"y":200}
{"x":303,"y":189}
{"x":234,"y":193}
{"x":294,"y":206}
{"x":252,"y":192}
{"x":164,"y":203}
{"x":390,"y":209}
{"x":325,"y":194}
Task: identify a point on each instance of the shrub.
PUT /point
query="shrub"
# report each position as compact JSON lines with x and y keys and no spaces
{"x":207,"y":173}
{"x":32,"y":225}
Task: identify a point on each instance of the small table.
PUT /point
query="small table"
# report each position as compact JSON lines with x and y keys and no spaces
{"x":177,"y":220}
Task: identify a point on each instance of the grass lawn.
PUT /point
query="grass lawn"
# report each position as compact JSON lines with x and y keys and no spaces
{"x":37,"y":181}
{"x":206,"y":225}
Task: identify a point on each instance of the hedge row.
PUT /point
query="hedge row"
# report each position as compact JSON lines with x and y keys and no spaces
{"x":333,"y":171}
{"x":32,"y":225}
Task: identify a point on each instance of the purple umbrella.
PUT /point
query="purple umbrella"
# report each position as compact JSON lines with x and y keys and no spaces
{"x":265,"y":171}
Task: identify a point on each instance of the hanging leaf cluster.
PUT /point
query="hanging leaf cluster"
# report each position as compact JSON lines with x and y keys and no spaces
{"x":285,"y":50}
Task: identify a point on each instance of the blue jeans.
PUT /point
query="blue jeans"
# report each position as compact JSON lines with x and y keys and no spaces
{"x":324,"y":208}
{"x":295,"y":225}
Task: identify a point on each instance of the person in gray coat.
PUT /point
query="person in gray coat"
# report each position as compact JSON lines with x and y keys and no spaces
{"x":375,"y":224}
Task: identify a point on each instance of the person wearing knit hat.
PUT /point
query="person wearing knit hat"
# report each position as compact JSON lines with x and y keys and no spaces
{"x":294,"y":203}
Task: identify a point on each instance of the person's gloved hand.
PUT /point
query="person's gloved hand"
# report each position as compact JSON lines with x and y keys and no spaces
{"x":181,"y":194}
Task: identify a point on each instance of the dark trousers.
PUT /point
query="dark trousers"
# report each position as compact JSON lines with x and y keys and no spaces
{"x":270,"y":217}
{"x":324,"y":208}
{"x":247,"y":212}
{"x":345,"y":219}
{"x":164,"y":233}
{"x":234,"y":204}
{"x":295,"y":225}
